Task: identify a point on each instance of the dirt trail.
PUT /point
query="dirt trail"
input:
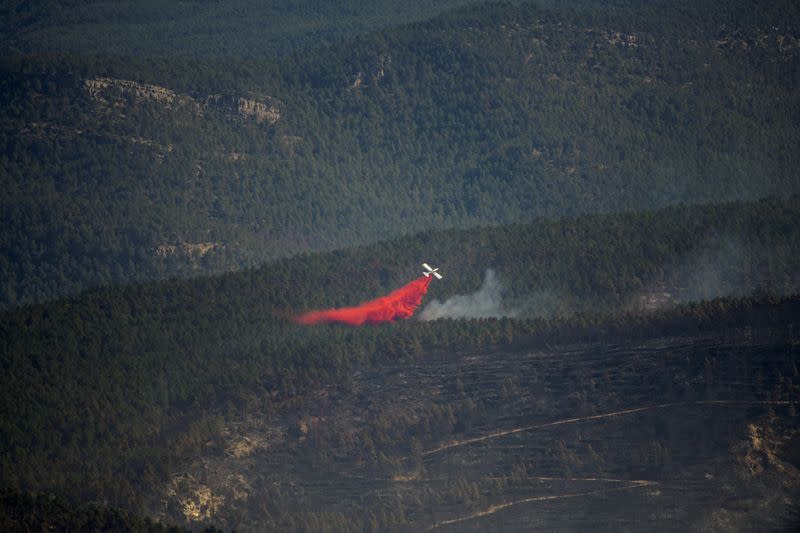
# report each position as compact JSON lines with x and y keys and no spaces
{"x":633,"y":484}
{"x":506,"y":432}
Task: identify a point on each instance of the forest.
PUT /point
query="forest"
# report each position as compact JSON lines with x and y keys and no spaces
{"x":615,"y":181}
{"x":245,"y":29}
{"x":122,"y":168}
{"x":109,"y":393}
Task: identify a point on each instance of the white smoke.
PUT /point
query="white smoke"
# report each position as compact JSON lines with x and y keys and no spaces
{"x":486,"y":302}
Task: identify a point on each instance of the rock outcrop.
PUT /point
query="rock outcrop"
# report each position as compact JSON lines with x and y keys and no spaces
{"x":111,"y":93}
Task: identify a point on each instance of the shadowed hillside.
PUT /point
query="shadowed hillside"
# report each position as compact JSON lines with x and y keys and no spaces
{"x":242,"y":29}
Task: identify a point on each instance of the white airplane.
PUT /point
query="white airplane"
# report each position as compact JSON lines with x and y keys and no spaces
{"x":431,"y":271}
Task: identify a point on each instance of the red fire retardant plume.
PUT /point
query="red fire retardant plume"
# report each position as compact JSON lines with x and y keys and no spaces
{"x":399,"y":304}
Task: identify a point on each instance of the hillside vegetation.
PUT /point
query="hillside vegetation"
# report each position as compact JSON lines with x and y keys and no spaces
{"x":104,"y":396}
{"x":202,"y":29}
{"x":120,"y":169}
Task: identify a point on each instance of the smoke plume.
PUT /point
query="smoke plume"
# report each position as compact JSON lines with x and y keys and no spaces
{"x":399,"y":304}
{"x":487,"y":302}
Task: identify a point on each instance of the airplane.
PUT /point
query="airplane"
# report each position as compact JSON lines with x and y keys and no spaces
{"x":430,"y":271}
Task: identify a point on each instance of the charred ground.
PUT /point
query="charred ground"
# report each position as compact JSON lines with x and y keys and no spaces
{"x":123,"y":394}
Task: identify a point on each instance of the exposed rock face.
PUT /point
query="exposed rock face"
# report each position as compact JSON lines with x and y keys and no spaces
{"x":102,"y":90}
{"x":375,"y":73}
{"x":192,"y":250}
{"x":787,"y":42}
{"x":763,"y":450}
{"x":624,"y":40}
{"x":358,"y":81}
{"x":244,"y":446}
{"x":781,"y":41}
{"x":221,"y":480}
{"x":110,"y":92}
{"x":261,"y":112}
{"x":267,"y":111}
{"x":195,"y":501}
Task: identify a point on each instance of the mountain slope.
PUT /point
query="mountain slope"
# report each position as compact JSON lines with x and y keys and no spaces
{"x":123,"y":170}
{"x":109,"y":393}
{"x":242,"y":29}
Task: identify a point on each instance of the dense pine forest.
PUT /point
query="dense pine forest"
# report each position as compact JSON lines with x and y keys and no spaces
{"x":47,"y":512}
{"x":108,"y":394}
{"x":610,"y":189}
{"x":244,"y":29}
{"x":128,"y":168}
